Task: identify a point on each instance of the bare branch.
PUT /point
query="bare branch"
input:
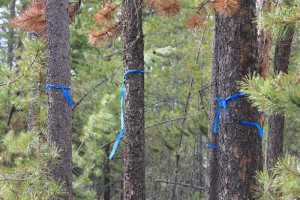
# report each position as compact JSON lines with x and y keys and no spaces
{"x":90,"y":91}
{"x":179,"y":183}
{"x":164,"y":122}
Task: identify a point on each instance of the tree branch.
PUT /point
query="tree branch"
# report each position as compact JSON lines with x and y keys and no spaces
{"x":30,"y":65}
{"x":179,"y":183}
{"x":14,"y":179}
{"x":90,"y":91}
{"x":164,"y":122}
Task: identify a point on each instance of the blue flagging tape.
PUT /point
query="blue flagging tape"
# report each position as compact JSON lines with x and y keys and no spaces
{"x":65,"y":90}
{"x":254,"y":124}
{"x":222,"y":104}
{"x":122,"y":92}
{"x":262,"y":112}
{"x":212,"y":146}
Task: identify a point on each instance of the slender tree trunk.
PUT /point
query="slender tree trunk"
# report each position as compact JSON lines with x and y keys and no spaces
{"x":134,"y":151}
{"x":276,"y":122}
{"x":264,"y":43}
{"x":264,"y":47}
{"x":107,"y":181}
{"x":283,"y":50}
{"x":10,"y":44}
{"x":10,"y":59}
{"x":275,"y":138}
{"x":232,"y":166}
{"x":58,"y":73}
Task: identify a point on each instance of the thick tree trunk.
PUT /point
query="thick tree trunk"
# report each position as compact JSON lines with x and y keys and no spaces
{"x":58,"y":73}
{"x":134,"y":153}
{"x":232,"y":166}
{"x":276,"y":122}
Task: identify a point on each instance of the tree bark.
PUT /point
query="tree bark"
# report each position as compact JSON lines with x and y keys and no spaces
{"x":231,"y":167}
{"x":275,"y":139}
{"x":283,"y":51}
{"x":58,"y":73}
{"x":264,"y":43}
{"x":134,"y":141}
{"x":276,"y":122}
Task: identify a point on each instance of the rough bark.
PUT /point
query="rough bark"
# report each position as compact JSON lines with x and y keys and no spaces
{"x":283,"y":51}
{"x":276,"y":122}
{"x":232,"y":167}
{"x":275,"y":139}
{"x":58,"y":73}
{"x":134,"y":153}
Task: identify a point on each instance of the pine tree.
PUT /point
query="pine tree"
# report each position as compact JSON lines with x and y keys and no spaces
{"x":279,"y":182}
{"x":134,"y":139}
{"x":58,"y":73}
{"x":238,"y":155}
{"x":276,"y":121}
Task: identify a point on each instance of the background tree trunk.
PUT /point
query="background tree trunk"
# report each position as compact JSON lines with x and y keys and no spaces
{"x":276,"y":121}
{"x":106,"y":171}
{"x":58,"y":73}
{"x":134,"y":152}
{"x":10,"y":58}
{"x":232,"y":167}
{"x":264,"y":43}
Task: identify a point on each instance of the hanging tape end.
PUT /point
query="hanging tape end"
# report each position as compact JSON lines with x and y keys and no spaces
{"x":212,"y":146}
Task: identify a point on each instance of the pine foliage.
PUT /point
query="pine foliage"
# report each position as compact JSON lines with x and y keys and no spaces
{"x":23,"y":174}
{"x":282,"y":17}
{"x":167,"y":8}
{"x":278,"y":94}
{"x":96,"y":37}
{"x":281,"y":182}
{"x":195,"y":21}
{"x":107,"y":13}
{"x":33,"y":18}
{"x":226,"y":7}
{"x":110,"y":31}
{"x":90,"y":158}
{"x":25,"y":155}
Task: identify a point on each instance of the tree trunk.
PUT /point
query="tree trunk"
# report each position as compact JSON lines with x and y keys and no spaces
{"x":231,"y":167}
{"x":134,"y":141}
{"x":283,"y":50}
{"x":10,"y":58}
{"x":276,"y":122}
{"x":106,"y":170}
{"x":264,"y":43}
{"x":10,"y":42}
{"x":58,"y":73}
{"x":275,"y":139}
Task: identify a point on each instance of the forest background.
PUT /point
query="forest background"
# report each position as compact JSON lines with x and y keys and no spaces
{"x":177,"y":71}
